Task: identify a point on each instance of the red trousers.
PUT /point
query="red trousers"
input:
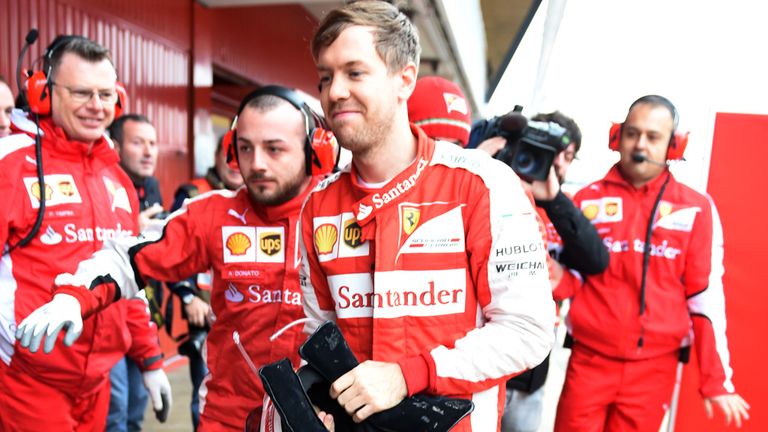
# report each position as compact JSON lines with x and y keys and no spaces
{"x":29,"y":405}
{"x":605,"y":394}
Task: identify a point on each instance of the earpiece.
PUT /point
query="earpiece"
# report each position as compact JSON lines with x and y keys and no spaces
{"x":320,"y":146}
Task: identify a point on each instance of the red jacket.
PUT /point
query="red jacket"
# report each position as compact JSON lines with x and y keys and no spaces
{"x":252,"y":251}
{"x":441,"y":270}
{"x":88,"y":199}
{"x":684,"y":279}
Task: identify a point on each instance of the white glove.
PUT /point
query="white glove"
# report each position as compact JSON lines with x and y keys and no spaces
{"x":46,"y":322}
{"x":159,"y":389}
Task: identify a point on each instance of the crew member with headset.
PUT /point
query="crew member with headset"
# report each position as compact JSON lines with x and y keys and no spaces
{"x":664,"y":279}
{"x":249,"y":239}
{"x":64,"y":196}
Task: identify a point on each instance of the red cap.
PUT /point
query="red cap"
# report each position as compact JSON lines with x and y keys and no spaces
{"x":439,"y":107}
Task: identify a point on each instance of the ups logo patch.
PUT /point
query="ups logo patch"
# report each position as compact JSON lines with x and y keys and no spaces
{"x":270,"y":243}
{"x":352,"y":233}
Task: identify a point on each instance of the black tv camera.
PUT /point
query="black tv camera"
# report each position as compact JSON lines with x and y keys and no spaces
{"x":531,"y":146}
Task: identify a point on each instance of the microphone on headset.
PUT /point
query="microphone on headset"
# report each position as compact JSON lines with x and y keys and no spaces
{"x":639,"y":158}
{"x":28,"y":41}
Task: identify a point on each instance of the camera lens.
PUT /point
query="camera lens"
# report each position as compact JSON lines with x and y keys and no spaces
{"x":526,"y":162}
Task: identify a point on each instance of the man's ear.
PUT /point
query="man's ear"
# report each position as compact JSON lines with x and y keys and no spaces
{"x":408,"y":76}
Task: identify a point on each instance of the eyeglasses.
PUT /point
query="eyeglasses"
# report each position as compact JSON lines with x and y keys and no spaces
{"x":83,"y":95}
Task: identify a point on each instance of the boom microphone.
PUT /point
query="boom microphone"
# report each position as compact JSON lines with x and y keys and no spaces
{"x":639,"y":158}
{"x":28,"y":41}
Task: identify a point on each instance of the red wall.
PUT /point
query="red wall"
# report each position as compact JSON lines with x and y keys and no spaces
{"x":266,"y":44}
{"x":738,"y":156}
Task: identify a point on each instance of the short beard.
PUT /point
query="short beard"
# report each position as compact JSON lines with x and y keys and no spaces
{"x":282,"y":194}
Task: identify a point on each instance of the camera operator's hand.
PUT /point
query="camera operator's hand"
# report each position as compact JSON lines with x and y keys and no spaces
{"x":492,"y":145}
{"x":197,"y":311}
{"x":546,"y":190}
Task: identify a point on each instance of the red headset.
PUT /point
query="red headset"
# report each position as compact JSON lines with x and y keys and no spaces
{"x":675,"y":151}
{"x":320,"y":147}
{"x":39,"y":90}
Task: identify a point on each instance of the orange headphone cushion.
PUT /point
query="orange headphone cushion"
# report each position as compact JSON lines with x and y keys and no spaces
{"x":324,"y":151}
{"x":38,"y":93}
{"x":676,"y":149}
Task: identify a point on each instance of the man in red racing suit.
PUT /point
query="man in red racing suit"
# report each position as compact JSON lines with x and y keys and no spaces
{"x":88,"y":200}
{"x":248,"y":238}
{"x":629,"y":322}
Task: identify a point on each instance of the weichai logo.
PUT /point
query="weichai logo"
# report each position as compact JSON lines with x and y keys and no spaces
{"x":270,"y":243}
{"x":238,"y":244}
{"x":325,"y":238}
{"x":353,"y":234}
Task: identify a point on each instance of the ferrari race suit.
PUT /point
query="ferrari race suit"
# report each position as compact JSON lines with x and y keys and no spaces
{"x":683,"y":291}
{"x":441,"y":270}
{"x":252,"y":251}
{"x":88,"y":199}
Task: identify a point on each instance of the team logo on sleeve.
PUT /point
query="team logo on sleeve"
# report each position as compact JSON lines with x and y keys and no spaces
{"x":270,"y":244}
{"x":59,"y":189}
{"x":239,"y":244}
{"x":410,"y":219}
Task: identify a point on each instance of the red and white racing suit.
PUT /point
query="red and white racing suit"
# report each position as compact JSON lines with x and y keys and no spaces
{"x":88,"y":199}
{"x":252,"y":251}
{"x":683,"y":291}
{"x":442,"y":270}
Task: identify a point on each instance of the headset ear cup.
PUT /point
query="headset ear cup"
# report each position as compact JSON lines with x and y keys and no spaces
{"x":677,"y":146}
{"x":323,"y":148}
{"x":122,"y":99}
{"x":229,"y":149}
{"x":39,"y":94}
{"x":614,"y":136}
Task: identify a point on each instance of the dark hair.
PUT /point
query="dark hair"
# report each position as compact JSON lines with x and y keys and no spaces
{"x":656,"y":100}
{"x":78,"y":45}
{"x":572,"y":129}
{"x":2,"y":80}
{"x":395,"y":37}
{"x":116,"y":128}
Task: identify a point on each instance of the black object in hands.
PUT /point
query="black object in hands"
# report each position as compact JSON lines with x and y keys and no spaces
{"x":162,"y":415}
{"x":327,"y":352}
{"x":284,"y":388}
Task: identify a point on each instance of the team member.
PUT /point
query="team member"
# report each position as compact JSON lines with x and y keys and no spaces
{"x":629,"y":322}
{"x":195,"y":292}
{"x":136,"y":141}
{"x":6,"y":106}
{"x":87,"y":199}
{"x":439,"y":108}
{"x":247,"y":237}
{"x":431,"y":264}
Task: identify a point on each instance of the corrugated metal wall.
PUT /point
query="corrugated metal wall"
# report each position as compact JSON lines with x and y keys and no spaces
{"x":150,"y":44}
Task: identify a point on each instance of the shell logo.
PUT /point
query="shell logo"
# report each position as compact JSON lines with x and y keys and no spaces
{"x":611,"y":208}
{"x":238,"y":243}
{"x":325,"y":238}
{"x":36,"y":191}
{"x":591,"y":211}
{"x":665,"y":209}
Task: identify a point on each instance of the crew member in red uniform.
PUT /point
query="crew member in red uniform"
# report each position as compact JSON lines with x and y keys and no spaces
{"x":87,"y":199}
{"x":427,"y":256}
{"x":664,"y":279}
{"x":248,"y":238}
